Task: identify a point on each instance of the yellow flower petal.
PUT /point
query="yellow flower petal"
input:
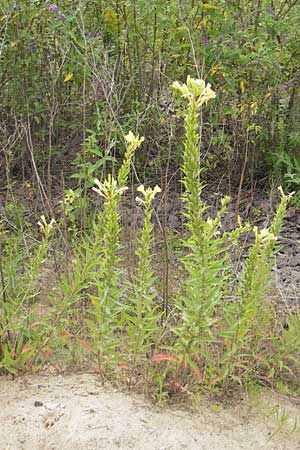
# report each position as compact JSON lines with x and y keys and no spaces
{"x":68,"y":77}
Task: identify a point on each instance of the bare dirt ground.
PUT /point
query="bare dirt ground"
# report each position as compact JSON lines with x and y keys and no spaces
{"x":74,"y":412}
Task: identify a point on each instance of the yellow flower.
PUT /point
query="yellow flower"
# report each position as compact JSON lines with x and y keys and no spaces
{"x":195,"y":89}
{"x":183,"y":89}
{"x":207,"y":94}
{"x":110,"y":185}
{"x":156,"y":190}
{"x":265,"y":235}
{"x":195,"y":86}
{"x":133,"y":140}
{"x":148,"y":193}
{"x":45,"y":227}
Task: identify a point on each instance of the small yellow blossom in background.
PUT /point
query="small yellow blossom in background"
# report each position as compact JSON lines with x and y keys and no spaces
{"x":254,"y":106}
{"x":290,"y":195}
{"x":45,"y":227}
{"x":267,"y":235}
{"x":68,"y":77}
{"x":264,"y":234}
{"x":141,"y":189}
{"x":107,"y":186}
{"x":209,"y":6}
{"x":112,"y":19}
{"x":148,"y":194}
{"x":242,"y":86}
{"x":155,"y":190}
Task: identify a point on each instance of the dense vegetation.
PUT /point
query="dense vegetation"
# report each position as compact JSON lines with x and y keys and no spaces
{"x":107,"y":66}
{"x":76,"y":77}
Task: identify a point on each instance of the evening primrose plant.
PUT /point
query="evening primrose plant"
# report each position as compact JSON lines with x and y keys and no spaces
{"x":215,"y":311}
{"x":203,"y":303}
{"x":249,"y":318}
{"x":20,"y":271}
{"x":106,"y":300}
{"x":96,"y":272}
{"x":206,"y":260}
{"x":219,"y":328}
{"x":142,"y":312}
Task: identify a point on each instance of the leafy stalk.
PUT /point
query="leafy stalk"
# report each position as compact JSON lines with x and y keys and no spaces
{"x":205,"y":260}
{"x":142,"y":315}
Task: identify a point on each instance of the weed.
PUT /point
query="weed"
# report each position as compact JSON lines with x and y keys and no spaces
{"x":142,"y":313}
{"x":20,"y":333}
{"x":220,"y":328}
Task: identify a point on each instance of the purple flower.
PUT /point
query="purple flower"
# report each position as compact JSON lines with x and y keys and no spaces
{"x":205,"y":40}
{"x":53,"y":8}
{"x":284,"y":86}
{"x":62,"y":17}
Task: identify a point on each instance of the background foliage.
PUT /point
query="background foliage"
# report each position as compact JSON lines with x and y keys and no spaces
{"x":107,"y":65}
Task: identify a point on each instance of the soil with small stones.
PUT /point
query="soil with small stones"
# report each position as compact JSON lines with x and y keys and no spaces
{"x":75,"y":412}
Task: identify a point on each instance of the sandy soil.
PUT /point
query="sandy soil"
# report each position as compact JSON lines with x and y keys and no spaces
{"x":75,"y":413}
